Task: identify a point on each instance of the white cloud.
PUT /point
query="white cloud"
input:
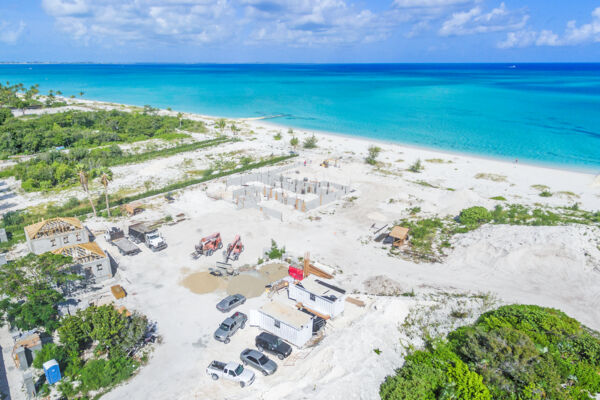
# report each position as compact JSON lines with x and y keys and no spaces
{"x":10,"y":34}
{"x":476,"y":21}
{"x":120,"y":21}
{"x":294,"y":22}
{"x":573,"y":35}
{"x":307,"y":22}
{"x":429,"y":3}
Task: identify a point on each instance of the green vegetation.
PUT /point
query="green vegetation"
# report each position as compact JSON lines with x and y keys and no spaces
{"x":14,"y":222}
{"x":498,"y":198}
{"x":17,"y":96}
{"x":491,"y":177}
{"x":112,"y":336}
{"x":294,"y":142}
{"x":59,"y":170}
{"x":545,"y":193}
{"x":28,"y":288}
{"x":31,"y":289}
{"x":514,"y":352}
{"x":372,"y":156}
{"x":277,"y":136}
{"x":417,"y":166}
{"x":517,"y":214}
{"x":73,"y":129}
{"x":428,"y":237}
{"x":310,"y":142}
{"x":275,"y":253}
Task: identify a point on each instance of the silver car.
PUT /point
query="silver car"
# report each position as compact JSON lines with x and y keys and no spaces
{"x":230,"y":302}
{"x":258,"y":360}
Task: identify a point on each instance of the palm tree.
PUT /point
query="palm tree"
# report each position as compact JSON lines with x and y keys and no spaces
{"x":105,"y":179}
{"x":221,"y":125}
{"x":179,"y":117}
{"x":81,"y":94}
{"x":83,"y":180}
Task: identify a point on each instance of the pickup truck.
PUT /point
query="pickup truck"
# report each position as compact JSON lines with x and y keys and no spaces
{"x":231,"y":371}
{"x":140,"y":232}
{"x":230,"y":326}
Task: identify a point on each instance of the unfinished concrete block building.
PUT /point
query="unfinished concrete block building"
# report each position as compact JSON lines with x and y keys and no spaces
{"x":90,"y":260}
{"x":52,"y":234}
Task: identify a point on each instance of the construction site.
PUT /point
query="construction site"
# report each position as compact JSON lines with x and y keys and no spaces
{"x":275,"y":191}
{"x":309,"y":246}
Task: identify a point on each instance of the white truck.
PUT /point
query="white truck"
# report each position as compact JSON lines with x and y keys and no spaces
{"x":141,"y":233}
{"x":231,"y":371}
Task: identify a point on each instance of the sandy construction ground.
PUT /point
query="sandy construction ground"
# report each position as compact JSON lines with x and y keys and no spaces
{"x":550,"y":266}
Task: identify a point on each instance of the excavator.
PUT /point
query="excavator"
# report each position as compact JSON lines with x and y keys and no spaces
{"x":234,"y":249}
{"x":208,"y":245}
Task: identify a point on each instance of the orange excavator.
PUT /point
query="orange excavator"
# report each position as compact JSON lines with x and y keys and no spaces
{"x":234,"y":249}
{"x":208,"y":245}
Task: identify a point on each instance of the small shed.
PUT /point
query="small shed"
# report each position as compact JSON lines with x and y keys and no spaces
{"x":133,"y":208}
{"x":284,"y":321}
{"x":316,"y":295}
{"x":399,"y":234}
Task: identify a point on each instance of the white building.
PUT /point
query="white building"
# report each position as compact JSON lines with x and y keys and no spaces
{"x":52,"y":234}
{"x":284,"y":321}
{"x":89,"y":260}
{"x":318,"y":295}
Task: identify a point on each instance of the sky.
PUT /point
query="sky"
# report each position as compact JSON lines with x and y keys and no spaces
{"x":302,"y":31}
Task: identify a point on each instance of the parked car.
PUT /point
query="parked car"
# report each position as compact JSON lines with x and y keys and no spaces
{"x":231,"y":371}
{"x":273,"y":344}
{"x":230,"y":326}
{"x":230,"y":302}
{"x":258,"y":360}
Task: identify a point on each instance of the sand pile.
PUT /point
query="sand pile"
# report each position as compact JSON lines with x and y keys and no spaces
{"x":250,"y":283}
{"x":203,"y":282}
{"x":382,"y":286}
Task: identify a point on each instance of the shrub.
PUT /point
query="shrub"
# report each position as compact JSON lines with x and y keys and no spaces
{"x":417,"y":166}
{"x":310,"y":142}
{"x":475,"y":216}
{"x":275,"y":253}
{"x":514,"y":352}
{"x":372,"y":156}
{"x":277,"y":136}
{"x":294,"y":141}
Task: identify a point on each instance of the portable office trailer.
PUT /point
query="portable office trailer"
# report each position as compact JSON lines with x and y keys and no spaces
{"x":291,"y":325}
{"x":318,"y":295}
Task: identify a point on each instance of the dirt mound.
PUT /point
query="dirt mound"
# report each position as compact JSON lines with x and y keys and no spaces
{"x":249,"y":283}
{"x":382,"y":286}
{"x":203,"y":282}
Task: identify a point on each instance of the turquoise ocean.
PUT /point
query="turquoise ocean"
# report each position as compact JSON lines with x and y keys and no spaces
{"x":538,"y":113}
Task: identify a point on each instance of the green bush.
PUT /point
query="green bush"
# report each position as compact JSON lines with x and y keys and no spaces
{"x":49,"y":352}
{"x":310,"y":142}
{"x":372,"y":156}
{"x":514,"y":352}
{"x":98,"y":374}
{"x":474,"y":216}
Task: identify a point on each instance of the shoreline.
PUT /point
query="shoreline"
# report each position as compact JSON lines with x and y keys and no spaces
{"x":267,"y":121}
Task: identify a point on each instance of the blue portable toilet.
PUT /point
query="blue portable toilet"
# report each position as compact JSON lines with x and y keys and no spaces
{"x":52,"y":371}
